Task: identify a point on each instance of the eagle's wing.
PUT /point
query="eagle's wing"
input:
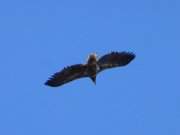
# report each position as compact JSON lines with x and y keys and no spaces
{"x":67,"y":74}
{"x":115,"y":59}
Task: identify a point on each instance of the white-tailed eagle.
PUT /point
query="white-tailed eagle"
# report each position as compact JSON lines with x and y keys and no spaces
{"x":91,"y":68}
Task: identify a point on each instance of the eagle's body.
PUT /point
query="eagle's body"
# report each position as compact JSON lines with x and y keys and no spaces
{"x":91,"y":68}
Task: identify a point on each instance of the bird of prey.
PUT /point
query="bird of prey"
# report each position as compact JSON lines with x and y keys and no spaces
{"x":92,"y":67}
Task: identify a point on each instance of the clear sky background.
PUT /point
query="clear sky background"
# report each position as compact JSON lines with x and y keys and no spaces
{"x":40,"y":37}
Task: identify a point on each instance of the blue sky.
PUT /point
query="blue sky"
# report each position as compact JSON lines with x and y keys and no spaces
{"x":40,"y":37}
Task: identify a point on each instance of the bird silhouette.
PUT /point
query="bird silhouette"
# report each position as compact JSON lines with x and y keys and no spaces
{"x":92,"y":67}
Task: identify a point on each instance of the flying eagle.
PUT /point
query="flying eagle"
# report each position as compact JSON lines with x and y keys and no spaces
{"x":91,"y":68}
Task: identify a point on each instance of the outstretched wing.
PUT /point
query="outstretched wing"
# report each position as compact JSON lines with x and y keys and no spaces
{"x":115,"y":59}
{"x":67,"y":74}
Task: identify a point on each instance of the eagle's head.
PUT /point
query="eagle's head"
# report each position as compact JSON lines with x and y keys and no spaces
{"x":92,"y":59}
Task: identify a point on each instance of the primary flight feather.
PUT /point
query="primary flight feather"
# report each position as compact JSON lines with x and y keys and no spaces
{"x":91,"y":68}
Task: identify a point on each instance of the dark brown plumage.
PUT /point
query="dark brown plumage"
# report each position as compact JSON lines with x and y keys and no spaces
{"x":91,"y":68}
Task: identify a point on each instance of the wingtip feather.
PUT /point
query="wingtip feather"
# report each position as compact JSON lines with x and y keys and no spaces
{"x":49,"y":83}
